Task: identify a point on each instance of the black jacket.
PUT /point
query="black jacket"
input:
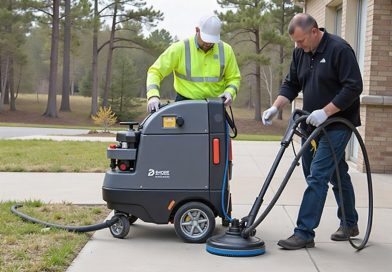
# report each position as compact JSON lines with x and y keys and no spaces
{"x":331,"y":74}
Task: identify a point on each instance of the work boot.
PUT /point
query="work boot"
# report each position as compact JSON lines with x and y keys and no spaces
{"x":342,"y":235}
{"x":295,"y":242}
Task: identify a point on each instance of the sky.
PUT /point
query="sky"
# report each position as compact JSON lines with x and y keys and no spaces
{"x":182,"y":16}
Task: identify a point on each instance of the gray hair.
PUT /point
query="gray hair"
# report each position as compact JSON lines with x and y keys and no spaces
{"x":302,"y":20}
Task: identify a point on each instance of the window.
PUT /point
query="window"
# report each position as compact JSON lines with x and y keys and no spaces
{"x":361,"y":32}
{"x":360,"y":52}
{"x":338,"y":21}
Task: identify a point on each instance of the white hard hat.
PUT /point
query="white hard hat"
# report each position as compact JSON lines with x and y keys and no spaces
{"x":210,"y":27}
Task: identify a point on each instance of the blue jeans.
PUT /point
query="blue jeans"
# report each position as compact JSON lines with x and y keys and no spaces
{"x":319,"y":169}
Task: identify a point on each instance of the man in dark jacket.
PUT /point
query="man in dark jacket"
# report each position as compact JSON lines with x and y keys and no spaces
{"x":325,"y":69}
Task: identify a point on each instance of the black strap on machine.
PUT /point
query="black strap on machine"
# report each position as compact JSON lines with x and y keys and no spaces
{"x":231,"y":122}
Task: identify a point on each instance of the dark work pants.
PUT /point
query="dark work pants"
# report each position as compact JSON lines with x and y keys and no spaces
{"x":319,"y":170}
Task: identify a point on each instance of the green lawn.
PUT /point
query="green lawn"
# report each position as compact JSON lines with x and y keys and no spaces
{"x":30,"y":108}
{"x":67,"y":156}
{"x":2,"y":124}
{"x":30,"y":247}
{"x":52,"y":156}
{"x":252,"y":137}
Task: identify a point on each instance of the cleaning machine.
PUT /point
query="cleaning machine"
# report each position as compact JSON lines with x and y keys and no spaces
{"x":172,"y":169}
{"x":175,"y":167}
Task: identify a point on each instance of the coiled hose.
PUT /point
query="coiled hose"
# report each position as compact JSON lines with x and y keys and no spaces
{"x":251,"y":228}
{"x":106,"y":224}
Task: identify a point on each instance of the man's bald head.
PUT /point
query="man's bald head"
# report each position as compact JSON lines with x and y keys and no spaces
{"x":303,"y":21}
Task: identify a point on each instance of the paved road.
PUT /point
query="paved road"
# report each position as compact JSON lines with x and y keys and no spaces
{"x":10,"y":132}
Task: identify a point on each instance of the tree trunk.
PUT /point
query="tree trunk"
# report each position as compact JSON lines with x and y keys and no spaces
{"x":258,"y":79}
{"x":110,"y":58}
{"x":65,"y":105}
{"x":250,"y":98}
{"x":94,"y":68}
{"x":281,"y":53}
{"x":4,"y":66}
{"x":7,"y":95}
{"x":51,"y":108}
{"x":122,"y":86}
{"x":258,"y":94}
{"x":12,"y":86}
{"x":72,"y":87}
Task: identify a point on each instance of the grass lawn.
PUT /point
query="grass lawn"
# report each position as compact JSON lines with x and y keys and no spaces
{"x":30,"y":247}
{"x":253,"y":137}
{"x":52,"y":156}
{"x":30,"y":108}
{"x":68,"y":156}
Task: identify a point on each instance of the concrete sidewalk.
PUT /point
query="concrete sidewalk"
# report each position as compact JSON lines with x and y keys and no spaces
{"x":150,"y":247}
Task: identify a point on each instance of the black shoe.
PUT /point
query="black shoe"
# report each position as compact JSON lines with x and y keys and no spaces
{"x":342,"y":235}
{"x":295,"y":242}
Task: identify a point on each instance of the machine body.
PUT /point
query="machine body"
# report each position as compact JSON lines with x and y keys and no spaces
{"x":175,"y":159}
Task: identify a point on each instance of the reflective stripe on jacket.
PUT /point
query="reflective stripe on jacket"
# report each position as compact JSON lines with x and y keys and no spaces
{"x":197,"y":74}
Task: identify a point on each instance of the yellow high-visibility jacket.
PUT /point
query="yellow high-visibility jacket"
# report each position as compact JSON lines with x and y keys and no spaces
{"x":197,"y":74}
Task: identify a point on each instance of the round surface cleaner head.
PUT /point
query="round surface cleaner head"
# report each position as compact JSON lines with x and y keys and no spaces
{"x":232,"y":244}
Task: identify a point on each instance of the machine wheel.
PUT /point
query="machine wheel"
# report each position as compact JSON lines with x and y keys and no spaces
{"x":132,"y":219}
{"x":121,"y":228}
{"x":194,"y":222}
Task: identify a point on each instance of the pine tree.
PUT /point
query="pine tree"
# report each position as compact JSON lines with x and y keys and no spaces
{"x":14,"y":24}
{"x":120,"y":12}
{"x":248,"y":22}
{"x":282,"y":11}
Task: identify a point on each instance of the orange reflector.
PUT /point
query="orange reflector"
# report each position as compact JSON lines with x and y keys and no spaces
{"x":171,"y":205}
{"x":112,"y":146}
{"x":230,"y":151}
{"x":215,"y":151}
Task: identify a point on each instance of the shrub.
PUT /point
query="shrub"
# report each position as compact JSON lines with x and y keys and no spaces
{"x":105,"y":117}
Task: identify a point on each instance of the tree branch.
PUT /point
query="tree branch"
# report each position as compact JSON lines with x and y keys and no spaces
{"x":108,"y":6}
{"x":124,"y":20}
{"x":129,"y":47}
{"x":114,"y":41}
{"x":262,"y":48}
{"x":238,"y":33}
{"x":44,"y":11}
{"x":250,"y":74}
{"x":246,"y":40}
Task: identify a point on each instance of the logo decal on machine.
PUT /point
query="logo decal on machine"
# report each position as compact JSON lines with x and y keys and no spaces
{"x":158,"y":173}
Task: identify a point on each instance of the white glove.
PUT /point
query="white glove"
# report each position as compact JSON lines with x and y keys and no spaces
{"x":227,"y":97}
{"x":153,"y":104}
{"x":268,"y":115}
{"x":316,"y":118}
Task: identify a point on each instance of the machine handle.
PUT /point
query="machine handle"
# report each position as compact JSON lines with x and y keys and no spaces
{"x":130,"y":124}
{"x":296,"y":118}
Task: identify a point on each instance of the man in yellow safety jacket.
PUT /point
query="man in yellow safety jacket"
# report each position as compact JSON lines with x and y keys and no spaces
{"x":203,"y":67}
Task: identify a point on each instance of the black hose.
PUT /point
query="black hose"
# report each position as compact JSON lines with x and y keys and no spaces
{"x":231,"y":122}
{"x":249,"y":229}
{"x":106,"y":224}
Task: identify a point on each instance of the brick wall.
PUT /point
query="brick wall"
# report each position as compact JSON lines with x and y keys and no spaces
{"x":317,"y":10}
{"x":377,"y":128}
{"x":377,"y":115}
